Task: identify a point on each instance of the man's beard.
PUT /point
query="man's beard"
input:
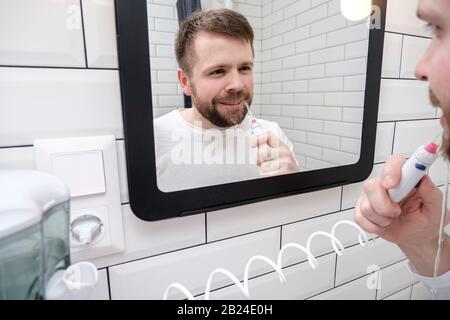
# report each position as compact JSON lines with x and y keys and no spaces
{"x":222,"y":118}
{"x":445,"y":148}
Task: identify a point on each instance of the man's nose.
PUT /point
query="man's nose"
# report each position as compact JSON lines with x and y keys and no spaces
{"x":421,"y":71}
{"x":235,"y":82}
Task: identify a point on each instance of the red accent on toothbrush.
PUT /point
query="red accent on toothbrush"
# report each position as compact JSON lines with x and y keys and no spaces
{"x":432,"y":148}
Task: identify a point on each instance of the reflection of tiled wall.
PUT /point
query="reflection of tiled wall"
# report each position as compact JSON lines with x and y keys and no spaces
{"x":314,"y":64}
{"x":163,"y":25}
{"x":49,"y":91}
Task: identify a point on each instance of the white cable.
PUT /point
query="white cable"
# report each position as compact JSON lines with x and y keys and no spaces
{"x":441,"y":225}
{"x":337,"y":246}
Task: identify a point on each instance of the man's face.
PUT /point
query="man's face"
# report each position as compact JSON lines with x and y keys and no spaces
{"x":221,"y":78}
{"x":435,"y":64}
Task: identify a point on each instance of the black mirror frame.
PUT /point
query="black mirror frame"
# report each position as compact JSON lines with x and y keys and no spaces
{"x":148,"y":202}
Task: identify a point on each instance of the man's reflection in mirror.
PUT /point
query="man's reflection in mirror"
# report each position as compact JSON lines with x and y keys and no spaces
{"x":212,"y":142}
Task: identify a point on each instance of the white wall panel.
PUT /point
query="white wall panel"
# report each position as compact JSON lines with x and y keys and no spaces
{"x":41,"y":33}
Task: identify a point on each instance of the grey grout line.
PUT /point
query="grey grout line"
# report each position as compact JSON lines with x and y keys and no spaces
{"x":84,"y":34}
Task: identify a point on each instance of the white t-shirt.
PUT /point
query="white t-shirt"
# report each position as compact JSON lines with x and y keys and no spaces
{"x":438,"y":286}
{"x":189,"y":157}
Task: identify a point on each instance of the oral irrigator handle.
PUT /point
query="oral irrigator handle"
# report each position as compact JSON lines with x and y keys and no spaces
{"x":413,"y":171}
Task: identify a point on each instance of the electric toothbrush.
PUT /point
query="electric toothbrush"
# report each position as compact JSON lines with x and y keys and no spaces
{"x":413,"y":171}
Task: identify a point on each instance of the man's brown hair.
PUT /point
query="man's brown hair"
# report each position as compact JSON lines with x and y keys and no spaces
{"x":224,"y":21}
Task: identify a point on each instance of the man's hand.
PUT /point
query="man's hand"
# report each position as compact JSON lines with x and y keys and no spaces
{"x":273,"y":157}
{"x":412,"y":224}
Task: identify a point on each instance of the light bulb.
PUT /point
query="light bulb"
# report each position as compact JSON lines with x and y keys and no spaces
{"x":355,"y":10}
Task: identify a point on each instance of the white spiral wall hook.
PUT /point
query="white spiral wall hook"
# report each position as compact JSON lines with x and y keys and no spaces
{"x":180,"y":287}
{"x":311,"y":259}
{"x":244,"y":287}
{"x":361,"y":234}
{"x":337,"y":246}
{"x":334,"y":241}
{"x":276,"y":267}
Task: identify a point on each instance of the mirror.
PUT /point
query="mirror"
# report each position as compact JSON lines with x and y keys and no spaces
{"x":311,"y":80}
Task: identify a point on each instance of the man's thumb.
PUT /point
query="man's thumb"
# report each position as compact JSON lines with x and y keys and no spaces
{"x":430,"y":194}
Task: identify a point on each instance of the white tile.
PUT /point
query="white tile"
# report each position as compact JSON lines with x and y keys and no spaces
{"x":322,"y":140}
{"x":325,"y":113}
{"x":350,"y":130}
{"x":357,"y":49}
{"x":326,"y":85}
{"x":101,"y":290}
{"x":148,"y":238}
{"x":327,"y":55}
{"x":310,"y":44}
{"x":296,"y":61}
{"x":295,"y":86}
{"x":352,"y":192}
{"x":314,"y":164}
{"x":17,"y":158}
{"x":329,"y":24}
{"x":41,"y":33}
{"x":339,"y":157}
{"x":313,"y":15}
{"x":347,"y":67}
{"x":411,"y":134}
{"x":392,"y":55}
{"x":394,"y":278}
{"x":100,"y":33}
{"x":161,"y":11}
{"x":58,"y":103}
{"x":149,"y":278}
{"x":437,"y":170}
{"x":310,"y":72}
{"x":283,"y":51}
{"x":123,"y":178}
{"x":413,"y":50}
{"x":404,"y":99}
{"x":272,"y":18}
{"x":298,"y":35}
{"x":351,"y":145}
{"x":384,"y":141}
{"x":312,"y":99}
{"x":351,"y":34}
{"x":248,"y":10}
{"x":283,"y":26}
{"x":356,"y":261}
{"x":355,"y":83}
{"x":261,"y":215}
{"x":401,"y":17}
{"x":299,"y":233}
{"x":345,"y":99}
{"x":302,"y":282}
{"x":355,"y":290}
{"x":404,"y":294}
{"x":277,"y":5}
{"x":296,"y":8}
{"x":420,"y":292}
{"x":308,"y":150}
{"x":354,"y":115}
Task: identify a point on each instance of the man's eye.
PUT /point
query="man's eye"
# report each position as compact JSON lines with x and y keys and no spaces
{"x":246,"y":68}
{"x":217,"y":72}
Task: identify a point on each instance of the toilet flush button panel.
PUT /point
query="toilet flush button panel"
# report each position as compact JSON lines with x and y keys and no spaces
{"x":88,"y":167}
{"x":90,"y":180}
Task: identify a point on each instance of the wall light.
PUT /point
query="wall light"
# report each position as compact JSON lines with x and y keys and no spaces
{"x":355,"y":10}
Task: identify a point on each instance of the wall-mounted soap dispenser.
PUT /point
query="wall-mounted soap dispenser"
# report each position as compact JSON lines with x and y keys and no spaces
{"x":34,"y":240}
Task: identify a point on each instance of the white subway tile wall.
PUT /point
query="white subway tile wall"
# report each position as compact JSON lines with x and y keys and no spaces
{"x":59,"y":78}
{"x":163,"y":25}
{"x":310,"y":54}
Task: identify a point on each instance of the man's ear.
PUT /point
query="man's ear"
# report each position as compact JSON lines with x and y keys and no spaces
{"x":184,"y":81}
